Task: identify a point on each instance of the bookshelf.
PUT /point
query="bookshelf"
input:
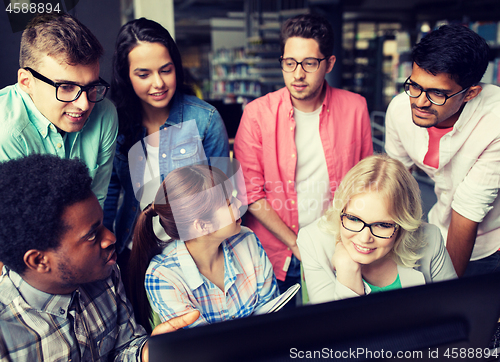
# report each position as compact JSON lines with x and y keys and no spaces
{"x":241,"y":74}
{"x":367,"y":60}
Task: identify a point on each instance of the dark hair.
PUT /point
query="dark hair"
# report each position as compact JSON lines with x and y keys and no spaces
{"x":58,"y":36}
{"x":126,"y":101}
{"x":309,"y":26}
{"x":34,"y":193}
{"x":176,"y":197}
{"x":455,"y":50}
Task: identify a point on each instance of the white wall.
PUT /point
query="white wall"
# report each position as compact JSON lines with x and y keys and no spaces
{"x":161,"y":11}
{"x":227,"y":33}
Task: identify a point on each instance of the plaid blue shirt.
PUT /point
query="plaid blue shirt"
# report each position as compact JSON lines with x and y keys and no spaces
{"x":94,"y":323}
{"x":175,"y":286}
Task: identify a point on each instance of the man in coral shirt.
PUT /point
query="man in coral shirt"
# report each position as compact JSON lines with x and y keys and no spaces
{"x":296,"y":144}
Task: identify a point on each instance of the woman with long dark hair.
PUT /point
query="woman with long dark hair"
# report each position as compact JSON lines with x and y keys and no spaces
{"x":150,"y":96}
{"x":211,"y":264}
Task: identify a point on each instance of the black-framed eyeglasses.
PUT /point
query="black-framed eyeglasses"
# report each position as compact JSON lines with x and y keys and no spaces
{"x":69,"y":92}
{"x":384,"y":230}
{"x":310,"y":65}
{"x":433,"y":95}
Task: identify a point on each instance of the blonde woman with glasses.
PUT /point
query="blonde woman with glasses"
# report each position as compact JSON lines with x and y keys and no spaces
{"x":372,"y":238}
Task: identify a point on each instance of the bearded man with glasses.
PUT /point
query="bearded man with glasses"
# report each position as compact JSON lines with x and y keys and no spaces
{"x":58,"y":105}
{"x":296,"y":144}
{"x":447,"y":123}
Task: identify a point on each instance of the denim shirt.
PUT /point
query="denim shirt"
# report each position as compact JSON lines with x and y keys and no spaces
{"x":178,"y":148}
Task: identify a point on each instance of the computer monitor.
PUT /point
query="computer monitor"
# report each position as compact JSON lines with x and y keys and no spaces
{"x":450,"y":320}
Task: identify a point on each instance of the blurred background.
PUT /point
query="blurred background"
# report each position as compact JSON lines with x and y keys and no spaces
{"x":230,"y":48}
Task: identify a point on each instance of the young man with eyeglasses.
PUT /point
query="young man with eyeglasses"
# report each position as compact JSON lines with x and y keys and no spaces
{"x":447,"y":124}
{"x":296,"y":144}
{"x":58,"y":105}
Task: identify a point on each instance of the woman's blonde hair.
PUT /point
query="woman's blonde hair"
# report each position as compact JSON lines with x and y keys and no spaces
{"x":390,"y":178}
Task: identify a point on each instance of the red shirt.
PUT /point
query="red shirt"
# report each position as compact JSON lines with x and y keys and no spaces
{"x":265,"y":147}
{"x":432,"y":156}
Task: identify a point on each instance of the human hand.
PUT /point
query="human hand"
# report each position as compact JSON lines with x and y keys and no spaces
{"x":170,"y":326}
{"x":342,"y":261}
{"x":348,"y":271}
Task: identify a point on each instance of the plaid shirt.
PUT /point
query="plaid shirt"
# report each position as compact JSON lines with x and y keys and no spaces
{"x":175,"y":286}
{"x":94,"y":323}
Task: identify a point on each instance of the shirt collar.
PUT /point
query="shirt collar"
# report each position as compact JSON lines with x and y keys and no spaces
{"x":176,"y":109}
{"x":55,"y":304}
{"x":189,"y":269}
{"x":231,"y":268}
{"x":287,"y":101}
{"x":192,"y":275}
{"x":41,"y":123}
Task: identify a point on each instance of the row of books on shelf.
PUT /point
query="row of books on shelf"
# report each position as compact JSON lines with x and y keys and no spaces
{"x":250,"y":88}
{"x":234,"y":71}
{"x":229,"y":55}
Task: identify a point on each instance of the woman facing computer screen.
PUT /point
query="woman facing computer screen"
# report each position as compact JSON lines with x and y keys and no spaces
{"x":372,"y":238}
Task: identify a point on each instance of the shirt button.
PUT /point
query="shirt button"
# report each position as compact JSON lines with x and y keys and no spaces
{"x":164,"y":155}
{"x":134,"y":208}
{"x":59,"y":145}
{"x":290,"y":181}
{"x":61,"y":311}
{"x":291,"y":128}
{"x":293,"y":202}
{"x":51,"y":127}
{"x":293,"y":226}
{"x":138,"y":184}
{"x":43,"y":134}
{"x":232,"y":317}
{"x":183,"y":151}
{"x":141,"y":158}
{"x":293,"y":155}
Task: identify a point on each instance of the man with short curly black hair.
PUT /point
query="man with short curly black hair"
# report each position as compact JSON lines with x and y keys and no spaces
{"x":61,"y":295}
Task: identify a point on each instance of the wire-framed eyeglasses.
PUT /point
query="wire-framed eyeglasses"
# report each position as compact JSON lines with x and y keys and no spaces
{"x":384,"y":230}
{"x":435,"y":96}
{"x":310,"y":65}
{"x":69,"y":92}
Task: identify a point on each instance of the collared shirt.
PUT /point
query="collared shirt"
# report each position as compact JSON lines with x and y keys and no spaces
{"x":468,"y":177}
{"x":26,"y":131}
{"x":175,"y":286}
{"x":197,"y":132}
{"x":265,"y":147}
{"x":94,"y":323}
